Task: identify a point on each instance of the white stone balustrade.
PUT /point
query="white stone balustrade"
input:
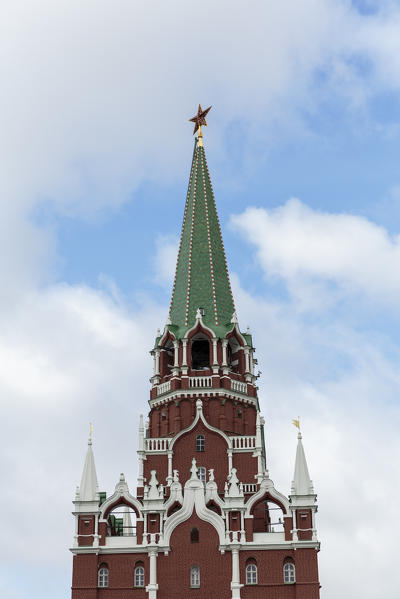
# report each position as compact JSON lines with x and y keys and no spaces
{"x":244,"y":442}
{"x":164,"y":388}
{"x":249,"y":487}
{"x":154,"y":444}
{"x":200,"y":381}
{"x":238,"y":386}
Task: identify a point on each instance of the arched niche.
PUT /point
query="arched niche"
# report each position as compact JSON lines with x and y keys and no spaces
{"x":200,"y":352}
{"x":166,"y":357}
{"x":268,"y":515}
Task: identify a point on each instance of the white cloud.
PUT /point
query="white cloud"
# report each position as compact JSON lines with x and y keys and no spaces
{"x":309,"y":249}
{"x":94,"y":94}
{"x":165,"y":260}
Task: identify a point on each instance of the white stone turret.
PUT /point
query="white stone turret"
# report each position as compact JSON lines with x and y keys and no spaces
{"x":303,"y":499}
{"x":89,"y":489}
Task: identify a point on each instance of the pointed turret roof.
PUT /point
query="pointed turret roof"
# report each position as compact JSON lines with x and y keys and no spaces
{"x":89,"y":487}
{"x":201,"y":277}
{"x":302,"y":484}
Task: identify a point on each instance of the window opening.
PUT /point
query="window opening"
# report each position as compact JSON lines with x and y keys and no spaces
{"x":121,"y":522}
{"x":251,"y":574}
{"x":103,"y":577}
{"x":194,"y":535}
{"x":289,"y":573}
{"x":139,"y":576}
{"x":195,"y":576}
{"x":202,"y":474}
{"x":200,"y":443}
{"x":200,"y":354}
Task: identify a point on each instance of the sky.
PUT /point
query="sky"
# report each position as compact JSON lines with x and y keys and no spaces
{"x":303,"y":145}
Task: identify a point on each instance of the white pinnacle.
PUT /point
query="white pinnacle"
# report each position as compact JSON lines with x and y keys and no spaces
{"x":302,"y":484}
{"x":89,"y":486}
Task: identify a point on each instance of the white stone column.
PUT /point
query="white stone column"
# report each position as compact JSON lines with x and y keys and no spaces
{"x":215,"y":354}
{"x":314,"y":530}
{"x":295,"y":535}
{"x":96,"y":531}
{"x":224,"y":353}
{"x":242,"y":530}
{"x":176,"y":354}
{"x":229,"y":460}
{"x":184,"y":352}
{"x":251,"y":362}
{"x":76,"y":530}
{"x":247,"y":359}
{"x":145,"y":516}
{"x":152,"y":587}
{"x":169,"y":477}
{"x":140,"y":480}
{"x":235,"y":584}
{"x":157,"y":363}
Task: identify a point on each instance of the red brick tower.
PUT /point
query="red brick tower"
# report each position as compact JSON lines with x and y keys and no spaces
{"x":206,"y":520}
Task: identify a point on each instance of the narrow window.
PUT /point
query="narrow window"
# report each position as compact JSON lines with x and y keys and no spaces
{"x":251,"y":574}
{"x":103,"y":577}
{"x":200,"y":443}
{"x":289,"y":573}
{"x":195,"y":576}
{"x":194,"y":535}
{"x":139,"y":576}
{"x":200,"y":354}
{"x":202,"y":473}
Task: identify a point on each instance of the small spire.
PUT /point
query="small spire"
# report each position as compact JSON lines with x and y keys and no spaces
{"x":302,"y":484}
{"x":89,"y":487}
{"x":234,"y":319}
{"x":193,"y":470}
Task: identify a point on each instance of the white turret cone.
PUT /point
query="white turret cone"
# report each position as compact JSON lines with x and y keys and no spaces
{"x":302,"y":484}
{"x":89,"y":486}
{"x":127,"y":523}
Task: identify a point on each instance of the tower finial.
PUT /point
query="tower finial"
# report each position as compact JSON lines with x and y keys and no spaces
{"x":90,"y":433}
{"x":199,"y":120}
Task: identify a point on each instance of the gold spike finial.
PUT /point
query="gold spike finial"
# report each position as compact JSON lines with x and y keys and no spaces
{"x":296,"y":422}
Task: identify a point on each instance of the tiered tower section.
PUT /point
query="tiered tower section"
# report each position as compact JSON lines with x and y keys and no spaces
{"x":206,"y":520}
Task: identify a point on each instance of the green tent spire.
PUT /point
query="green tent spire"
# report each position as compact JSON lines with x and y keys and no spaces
{"x":201,"y":277}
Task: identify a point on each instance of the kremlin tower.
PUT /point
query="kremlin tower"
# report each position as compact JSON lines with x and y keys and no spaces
{"x":205,"y":520}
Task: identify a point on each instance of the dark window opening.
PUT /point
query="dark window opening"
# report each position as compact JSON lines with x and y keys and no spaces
{"x":194,"y":535}
{"x":200,"y":355}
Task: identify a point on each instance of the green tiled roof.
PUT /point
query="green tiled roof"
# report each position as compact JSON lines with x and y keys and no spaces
{"x":201,"y":277}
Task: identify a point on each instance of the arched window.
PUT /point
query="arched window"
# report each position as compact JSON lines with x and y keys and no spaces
{"x":289,"y":573}
{"x":195,"y":576}
{"x":139,"y":576}
{"x":103,"y":577}
{"x":251,"y":574}
{"x":200,"y":443}
{"x":202,"y":474}
{"x":194,"y":535}
{"x":200,"y":354}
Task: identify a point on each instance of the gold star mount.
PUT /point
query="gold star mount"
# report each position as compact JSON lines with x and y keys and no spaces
{"x":200,"y":119}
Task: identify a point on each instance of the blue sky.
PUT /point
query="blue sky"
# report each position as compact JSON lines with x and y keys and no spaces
{"x":303,"y":147}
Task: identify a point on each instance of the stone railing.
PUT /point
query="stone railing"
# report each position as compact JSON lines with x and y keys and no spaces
{"x":156,"y":444}
{"x":249,"y":487}
{"x":164,"y":388}
{"x":238,"y":386}
{"x":245,"y":442}
{"x":200,"y":381}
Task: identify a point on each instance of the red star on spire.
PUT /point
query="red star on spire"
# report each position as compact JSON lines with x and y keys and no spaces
{"x":200,"y":118}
